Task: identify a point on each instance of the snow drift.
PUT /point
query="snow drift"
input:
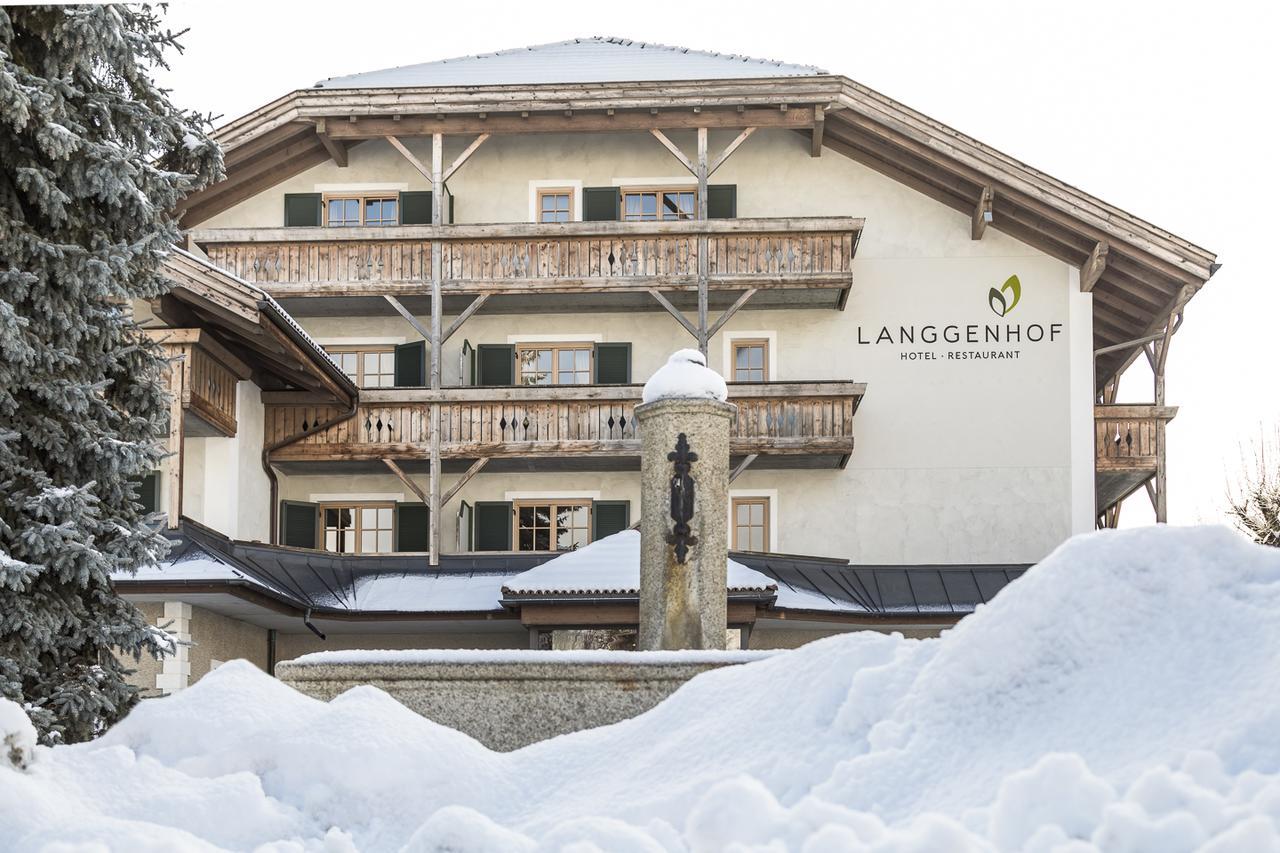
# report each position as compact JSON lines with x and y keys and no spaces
{"x":1121,"y":696}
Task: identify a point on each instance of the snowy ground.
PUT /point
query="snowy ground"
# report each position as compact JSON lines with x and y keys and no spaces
{"x":1124,"y":696}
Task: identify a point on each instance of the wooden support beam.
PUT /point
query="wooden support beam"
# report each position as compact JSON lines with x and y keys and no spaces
{"x":464,"y":316}
{"x":729,"y":312}
{"x":404,"y":478}
{"x":475,"y":468}
{"x":462,"y":158}
{"x":743,"y":465}
{"x":408,"y":315}
{"x":729,"y":149}
{"x":580,"y":122}
{"x":437,"y":307}
{"x":1093,"y":268}
{"x":337,"y":149}
{"x":674,"y":149}
{"x":819,"y":126}
{"x":703,"y":172}
{"x":408,"y":155}
{"x":674,"y":312}
{"x":982,"y":214}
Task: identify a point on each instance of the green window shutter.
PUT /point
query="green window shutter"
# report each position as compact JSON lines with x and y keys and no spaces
{"x":609,"y":517}
{"x":149,"y":493}
{"x":495,"y":365}
{"x":722,"y":201}
{"x":601,"y":204}
{"x":492,"y":521}
{"x":613,"y":364}
{"x":411,"y":365}
{"x":415,"y":208}
{"x":466,"y":530}
{"x":413,"y":531}
{"x":302,"y":210}
{"x":298,"y":524}
{"x":449,"y":215}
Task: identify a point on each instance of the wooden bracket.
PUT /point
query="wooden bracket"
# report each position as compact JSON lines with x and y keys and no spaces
{"x":408,"y":155}
{"x":413,"y":321}
{"x":819,"y":124}
{"x":404,"y":478}
{"x":729,"y":149}
{"x":675,"y":312}
{"x":1093,"y":268}
{"x":730,"y":311}
{"x":462,"y":158}
{"x":982,"y":213}
{"x":464,"y":479}
{"x":464,"y":316}
{"x":336,"y":148}
{"x":674,"y":149}
{"x":743,"y":465}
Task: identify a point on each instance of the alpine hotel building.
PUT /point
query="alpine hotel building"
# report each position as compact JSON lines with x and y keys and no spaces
{"x":410,"y":328}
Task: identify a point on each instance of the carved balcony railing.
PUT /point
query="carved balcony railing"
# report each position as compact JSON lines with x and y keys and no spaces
{"x":206,"y":380}
{"x":1128,"y":441}
{"x":784,"y":419}
{"x":548,"y":258}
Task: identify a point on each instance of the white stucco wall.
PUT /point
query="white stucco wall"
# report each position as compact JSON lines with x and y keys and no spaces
{"x":956,"y":460}
{"x":224,"y":486}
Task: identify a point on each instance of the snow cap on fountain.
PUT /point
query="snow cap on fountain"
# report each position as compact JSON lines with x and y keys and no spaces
{"x":685,"y":376}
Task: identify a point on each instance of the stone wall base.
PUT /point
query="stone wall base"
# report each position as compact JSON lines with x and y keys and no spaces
{"x":506,"y":705}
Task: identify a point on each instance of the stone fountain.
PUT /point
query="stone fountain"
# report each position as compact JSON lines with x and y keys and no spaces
{"x":510,"y":698}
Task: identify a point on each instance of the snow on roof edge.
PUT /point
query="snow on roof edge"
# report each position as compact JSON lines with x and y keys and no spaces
{"x":345,"y":81}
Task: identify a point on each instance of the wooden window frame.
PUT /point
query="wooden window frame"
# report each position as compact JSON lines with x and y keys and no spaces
{"x":554,"y":504}
{"x":357,"y":529}
{"x":363,"y":198}
{"x":737,"y":343}
{"x":568,"y":192}
{"x":361,"y":349}
{"x":556,"y":348}
{"x":749,"y":500}
{"x":660,"y":191}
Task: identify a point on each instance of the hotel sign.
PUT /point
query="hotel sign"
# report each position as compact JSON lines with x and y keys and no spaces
{"x":968,"y":341}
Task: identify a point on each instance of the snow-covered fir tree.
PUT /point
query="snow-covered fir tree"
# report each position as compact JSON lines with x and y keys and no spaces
{"x":93,"y":159}
{"x":1254,"y":505}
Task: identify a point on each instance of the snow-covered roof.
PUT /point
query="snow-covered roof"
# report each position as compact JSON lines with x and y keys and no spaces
{"x":612,"y":566}
{"x":597,"y":59}
{"x":430,"y":592}
{"x":190,"y":562}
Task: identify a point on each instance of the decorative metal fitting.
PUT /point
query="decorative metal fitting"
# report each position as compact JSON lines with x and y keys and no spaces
{"x":682,"y":494}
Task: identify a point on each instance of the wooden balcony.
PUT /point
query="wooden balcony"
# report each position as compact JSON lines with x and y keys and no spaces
{"x":584,"y":427}
{"x":799,"y":262}
{"x":206,"y":380}
{"x":1128,"y":443}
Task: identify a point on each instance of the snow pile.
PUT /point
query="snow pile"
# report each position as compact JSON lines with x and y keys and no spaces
{"x":612,"y":565}
{"x":686,"y":376}
{"x":503,"y":656}
{"x":17,"y":737}
{"x":1121,"y":696}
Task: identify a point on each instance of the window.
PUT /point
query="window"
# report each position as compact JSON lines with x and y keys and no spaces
{"x":561,"y":525}
{"x":368,"y":367}
{"x":555,"y":205}
{"x":354,"y":211}
{"x":751,"y":361}
{"x":751,"y":524}
{"x":652,"y":205}
{"x":553,"y":364}
{"x":363,"y":528}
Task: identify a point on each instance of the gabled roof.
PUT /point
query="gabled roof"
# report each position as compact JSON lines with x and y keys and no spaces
{"x":596,"y":59}
{"x":1141,"y":275}
{"x":250,"y":323}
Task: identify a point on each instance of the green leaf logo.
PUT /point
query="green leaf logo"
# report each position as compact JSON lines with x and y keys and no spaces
{"x":1004,"y":300}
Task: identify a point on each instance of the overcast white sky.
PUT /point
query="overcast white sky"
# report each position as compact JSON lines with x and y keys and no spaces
{"x":1165,"y":109}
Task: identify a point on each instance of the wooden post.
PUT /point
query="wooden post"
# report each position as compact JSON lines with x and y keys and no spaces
{"x":703,"y":265}
{"x":437,"y":307}
{"x":171,"y":466}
